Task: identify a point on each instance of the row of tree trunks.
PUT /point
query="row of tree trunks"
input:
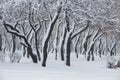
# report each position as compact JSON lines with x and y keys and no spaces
{"x":90,"y":50}
{"x":70,"y":36}
{"x":112,"y":50}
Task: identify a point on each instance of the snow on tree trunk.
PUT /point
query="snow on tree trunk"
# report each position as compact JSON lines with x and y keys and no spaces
{"x":47,"y":36}
{"x":85,"y":40}
{"x":14,"y":43}
{"x":62,"y":50}
{"x":91,"y":47}
{"x":0,"y":42}
{"x":36,"y":45}
{"x":68,"y":47}
{"x":99,"y":46}
{"x":113,"y":47}
{"x":55,"y":44}
{"x":33,"y":56}
{"x":76,"y":44}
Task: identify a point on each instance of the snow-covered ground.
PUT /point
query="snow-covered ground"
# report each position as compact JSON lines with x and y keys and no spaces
{"x":56,"y":70}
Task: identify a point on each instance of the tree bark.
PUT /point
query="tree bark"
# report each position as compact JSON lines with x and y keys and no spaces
{"x":91,"y":47}
{"x":68,"y":50}
{"x":0,"y":42}
{"x":76,"y":44}
{"x":33,"y":56}
{"x":62,"y":51}
{"x":47,"y":37}
{"x":36,"y":45}
{"x":24,"y":51}
{"x":14,"y":43}
{"x":100,"y":48}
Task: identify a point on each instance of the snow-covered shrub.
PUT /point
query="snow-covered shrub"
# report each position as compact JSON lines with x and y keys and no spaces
{"x":15,"y":57}
{"x":2,"y":57}
{"x":111,"y":63}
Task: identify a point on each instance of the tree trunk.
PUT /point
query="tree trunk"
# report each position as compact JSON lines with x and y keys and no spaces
{"x":36,"y":45}
{"x":33,"y":56}
{"x":85,"y":48}
{"x":68,"y":47}
{"x":100,"y":47}
{"x":45,"y":53}
{"x":92,"y":52}
{"x":56,"y":43}
{"x":47,"y":37}
{"x":76,"y":44}
{"x":14,"y":43}
{"x":68,"y":52}
{"x":112,"y":52}
{"x":0,"y":42}
{"x":24,"y":51}
{"x":88,"y":57}
{"x":62,"y":51}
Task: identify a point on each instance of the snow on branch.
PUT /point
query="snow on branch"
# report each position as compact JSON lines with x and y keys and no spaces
{"x":23,"y":44}
{"x":13,"y":30}
{"x":40,"y":25}
{"x":52,"y":23}
{"x":81,"y":30}
{"x":11,"y":27}
{"x":95,"y":37}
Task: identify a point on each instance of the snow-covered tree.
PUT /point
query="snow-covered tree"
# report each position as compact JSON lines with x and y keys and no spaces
{"x":86,"y":27}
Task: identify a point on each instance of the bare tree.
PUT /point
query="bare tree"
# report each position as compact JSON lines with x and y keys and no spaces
{"x":69,"y":38}
{"x":49,"y":31}
{"x":12,"y":30}
{"x":36,"y":28}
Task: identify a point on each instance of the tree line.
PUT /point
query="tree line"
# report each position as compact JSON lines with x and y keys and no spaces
{"x":41,"y":27}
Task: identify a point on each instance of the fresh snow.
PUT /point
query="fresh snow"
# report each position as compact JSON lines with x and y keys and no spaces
{"x":57,"y":70}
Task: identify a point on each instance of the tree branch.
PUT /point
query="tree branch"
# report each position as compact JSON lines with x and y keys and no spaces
{"x":11,"y":27}
{"x":15,"y":32}
{"x":80,"y":31}
{"x":23,"y":44}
